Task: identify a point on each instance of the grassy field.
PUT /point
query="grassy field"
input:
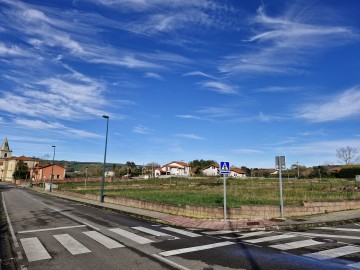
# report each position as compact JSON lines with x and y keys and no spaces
{"x":209,"y":191}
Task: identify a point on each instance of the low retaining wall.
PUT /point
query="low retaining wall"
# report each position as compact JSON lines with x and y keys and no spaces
{"x":246,"y":212}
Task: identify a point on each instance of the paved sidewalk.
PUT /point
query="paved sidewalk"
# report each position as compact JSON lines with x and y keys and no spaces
{"x":326,"y":219}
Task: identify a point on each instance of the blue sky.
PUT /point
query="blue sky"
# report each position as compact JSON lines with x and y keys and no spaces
{"x":238,"y":81}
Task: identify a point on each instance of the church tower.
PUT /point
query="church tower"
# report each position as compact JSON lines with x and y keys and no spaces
{"x":5,"y":151}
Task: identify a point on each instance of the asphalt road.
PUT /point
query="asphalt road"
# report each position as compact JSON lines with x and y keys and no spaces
{"x":52,"y":233}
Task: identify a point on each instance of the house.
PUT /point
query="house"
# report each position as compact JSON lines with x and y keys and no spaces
{"x":175,"y":168}
{"x":212,"y":170}
{"x":237,"y":173}
{"x":42,"y":173}
{"x":8,"y":163}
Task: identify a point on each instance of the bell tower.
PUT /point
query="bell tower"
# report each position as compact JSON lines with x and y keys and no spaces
{"x":5,"y":151}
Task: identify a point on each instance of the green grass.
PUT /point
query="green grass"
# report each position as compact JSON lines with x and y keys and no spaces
{"x":209,"y":192}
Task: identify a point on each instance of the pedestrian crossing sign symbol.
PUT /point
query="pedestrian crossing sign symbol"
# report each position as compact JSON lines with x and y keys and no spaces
{"x":224,"y":167}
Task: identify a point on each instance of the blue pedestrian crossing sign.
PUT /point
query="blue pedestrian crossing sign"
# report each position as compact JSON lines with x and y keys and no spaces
{"x":224,"y":167}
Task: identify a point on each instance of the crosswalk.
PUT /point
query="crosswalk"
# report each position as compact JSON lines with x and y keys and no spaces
{"x":307,"y":245}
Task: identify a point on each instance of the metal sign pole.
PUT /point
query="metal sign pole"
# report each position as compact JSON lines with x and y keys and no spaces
{"x":281,"y":195}
{"x":224,"y":197}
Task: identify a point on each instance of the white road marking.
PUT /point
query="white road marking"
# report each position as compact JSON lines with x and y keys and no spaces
{"x":333,"y":253}
{"x":16,"y":243}
{"x":132,"y":236}
{"x":217,"y":232}
{"x":72,"y":245}
{"x":152,"y":232}
{"x":354,"y":265}
{"x":91,"y":226}
{"x":338,"y":229}
{"x":270,"y":238}
{"x":326,"y":235}
{"x":171,"y":263}
{"x":104,"y":240}
{"x":34,"y":250}
{"x":297,"y":244}
{"x":183,"y":232}
{"x":245,"y":235}
{"x":52,"y":229}
{"x":192,"y":249}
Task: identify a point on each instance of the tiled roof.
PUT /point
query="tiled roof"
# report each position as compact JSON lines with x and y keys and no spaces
{"x":177,"y":162}
{"x":237,"y":170}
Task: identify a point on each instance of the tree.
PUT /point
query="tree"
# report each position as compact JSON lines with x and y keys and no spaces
{"x":348,"y":155}
{"x":21,"y":171}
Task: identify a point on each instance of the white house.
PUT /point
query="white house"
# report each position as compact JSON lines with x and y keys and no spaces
{"x":211,"y":170}
{"x":176,"y":168}
{"x":237,"y":173}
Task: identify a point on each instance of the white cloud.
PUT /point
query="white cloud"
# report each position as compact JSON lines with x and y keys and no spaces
{"x":219,"y":87}
{"x":141,"y":129}
{"x":13,"y":50}
{"x":199,"y":73}
{"x":60,"y":128}
{"x":247,"y":151}
{"x":284,"y":42}
{"x":188,"y":116}
{"x":344,"y":105}
{"x":153,"y":75}
{"x":190,"y":136}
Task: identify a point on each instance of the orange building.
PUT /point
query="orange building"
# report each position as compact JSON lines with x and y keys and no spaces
{"x":42,"y":173}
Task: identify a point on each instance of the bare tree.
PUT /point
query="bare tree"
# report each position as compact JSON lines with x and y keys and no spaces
{"x":348,"y":155}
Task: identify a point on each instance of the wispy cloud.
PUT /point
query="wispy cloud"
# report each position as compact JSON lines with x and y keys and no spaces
{"x":140,"y":129}
{"x":279,"y":89}
{"x":188,"y":116}
{"x":60,"y":128}
{"x":153,"y":75}
{"x":190,"y":136}
{"x":199,"y":73}
{"x":344,"y":105}
{"x":247,"y":151}
{"x":219,"y":87}
{"x":282,"y":42}
{"x":268,"y":118}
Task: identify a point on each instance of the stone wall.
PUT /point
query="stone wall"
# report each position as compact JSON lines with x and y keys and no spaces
{"x":248,"y":212}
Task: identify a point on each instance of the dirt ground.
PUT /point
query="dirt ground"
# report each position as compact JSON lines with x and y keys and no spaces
{"x":6,"y":255}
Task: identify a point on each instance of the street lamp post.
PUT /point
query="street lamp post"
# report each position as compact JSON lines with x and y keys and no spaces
{"x":86,"y":176}
{"x":103,"y":174}
{"x":52,"y":169}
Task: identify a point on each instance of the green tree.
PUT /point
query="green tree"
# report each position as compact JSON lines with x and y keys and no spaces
{"x":21,"y":171}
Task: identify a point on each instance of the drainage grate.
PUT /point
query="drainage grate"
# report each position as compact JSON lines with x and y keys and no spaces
{"x":253,"y":223}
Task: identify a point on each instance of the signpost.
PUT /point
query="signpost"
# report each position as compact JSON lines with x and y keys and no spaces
{"x":224,"y":170}
{"x":280,"y":164}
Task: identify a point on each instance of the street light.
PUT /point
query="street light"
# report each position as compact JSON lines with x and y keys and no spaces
{"x":52,"y":169}
{"x":103,"y":174}
{"x":86,"y":176}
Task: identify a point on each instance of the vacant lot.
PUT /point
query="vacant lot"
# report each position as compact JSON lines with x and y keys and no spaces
{"x":209,"y":191}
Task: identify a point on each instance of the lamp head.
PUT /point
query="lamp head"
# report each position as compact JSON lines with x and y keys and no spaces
{"x":105,"y":116}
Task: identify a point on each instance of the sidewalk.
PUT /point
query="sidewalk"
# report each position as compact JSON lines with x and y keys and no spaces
{"x":327,"y":219}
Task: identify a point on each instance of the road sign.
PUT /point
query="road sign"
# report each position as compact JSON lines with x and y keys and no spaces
{"x":224,"y":167}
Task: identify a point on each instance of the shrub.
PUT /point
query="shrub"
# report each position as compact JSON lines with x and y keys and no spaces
{"x":349,"y":172}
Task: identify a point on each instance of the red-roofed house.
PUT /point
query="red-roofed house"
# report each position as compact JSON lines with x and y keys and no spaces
{"x":42,"y":173}
{"x":237,"y":173}
{"x":176,"y":168}
{"x":212,"y":170}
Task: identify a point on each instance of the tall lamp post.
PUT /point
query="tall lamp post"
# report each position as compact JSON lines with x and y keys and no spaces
{"x":103,"y":174}
{"x":52,"y":169}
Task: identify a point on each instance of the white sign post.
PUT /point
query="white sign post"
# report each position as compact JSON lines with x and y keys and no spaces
{"x":280,"y":164}
{"x":224,"y":170}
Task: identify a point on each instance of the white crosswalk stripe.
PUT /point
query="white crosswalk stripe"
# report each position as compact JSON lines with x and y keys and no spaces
{"x":182,"y":232}
{"x":104,"y":240}
{"x":72,"y":245}
{"x":338,"y":229}
{"x":296,"y":244}
{"x":34,"y":250}
{"x":193,"y":249}
{"x":354,"y":265}
{"x":132,"y":236}
{"x":217,"y":232}
{"x":153,"y":232}
{"x":270,"y":238}
{"x":333,"y":253}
